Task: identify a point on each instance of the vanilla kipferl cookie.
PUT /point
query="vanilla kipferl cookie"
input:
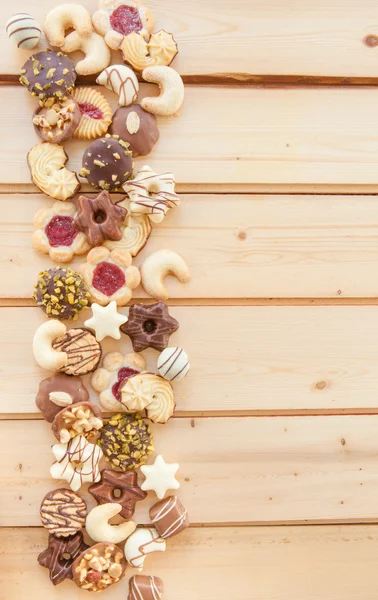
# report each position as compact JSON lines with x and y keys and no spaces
{"x":110,"y":275}
{"x":95,"y":111}
{"x":111,"y":376}
{"x":55,"y":233}
{"x":47,"y":167}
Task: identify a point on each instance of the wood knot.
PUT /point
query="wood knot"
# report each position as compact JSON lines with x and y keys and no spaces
{"x":242,"y":235}
{"x":371,"y":41}
{"x":321,"y":385}
{"x":342,"y":442}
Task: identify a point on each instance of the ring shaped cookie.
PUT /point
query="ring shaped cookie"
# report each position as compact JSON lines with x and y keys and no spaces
{"x":152,"y":194}
{"x":55,"y":234}
{"x":77,"y":462}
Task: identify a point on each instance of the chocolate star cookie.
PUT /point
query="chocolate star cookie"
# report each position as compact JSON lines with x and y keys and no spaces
{"x":118,"y":487}
{"x":60,"y":555}
{"x":150,"y":326}
{"x":99,"y":218}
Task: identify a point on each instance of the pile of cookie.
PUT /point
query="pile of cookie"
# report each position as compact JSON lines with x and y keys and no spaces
{"x":111,"y":233}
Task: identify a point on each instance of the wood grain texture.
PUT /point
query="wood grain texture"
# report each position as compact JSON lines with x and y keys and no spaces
{"x":247,"y":39}
{"x":233,"y":470}
{"x":255,"y":246}
{"x":244,"y":358}
{"x":237,"y":137}
{"x":265,"y":563}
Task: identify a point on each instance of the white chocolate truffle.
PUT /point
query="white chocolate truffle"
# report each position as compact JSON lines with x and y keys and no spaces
{"x":24,"y":31}
{"x":122,"y":81}
{"x":173,"y":364}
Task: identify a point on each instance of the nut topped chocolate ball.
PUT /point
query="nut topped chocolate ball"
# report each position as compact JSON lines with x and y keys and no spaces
{"x":126,"y":441}
{"x":61,"y":293}
{"x":48,"y":74}
{"x":137,"y":127}
{"x":107,"y":163}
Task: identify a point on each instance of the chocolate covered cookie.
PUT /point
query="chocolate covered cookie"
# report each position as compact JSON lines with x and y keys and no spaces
{"x":60,"y":555}
{"x":107,"y":163}
{"x":126,"y":441}
{"x":149,"y":326}
{"x":48,"y":74}
{"x":58,"y":392}
{"x":56,"y":121}
{"x":63,"y":512}
{"x":137,"y":127}
{"x":169,"y":517}
{"x":121,"y":488}
{"x":61,"y":293}
{"x":82,"y":349}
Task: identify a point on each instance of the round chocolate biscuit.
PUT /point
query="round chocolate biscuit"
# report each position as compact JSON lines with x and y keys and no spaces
{"x":61,"y":293}
{"x":126,"y":441}
{"x":63,"y":512}
{"x":57,"y":392}
{"x":48,"y":74}
{"x":107,"y":163}
{"x":137,"y":127}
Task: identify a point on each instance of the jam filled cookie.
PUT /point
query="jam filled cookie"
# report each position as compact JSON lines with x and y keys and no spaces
{"x":110,"y":276}
{"x":99,"y":219}
{"x":107,"y":164}
{"x":56,"y":235}
{"x":95,"y":113}
{"x":137,"y":127}
{"x":150,"y":326}
{"x":58,"y":392}
{"x":99,"y":567}
{"x":61,"y":293}
{"x":82,"y":350}
{"x":118,"y":18}
{"x":126,"y":441}
{"x":112,"y":375}
{"x":48,"y":74}
{"x":47,"y":168}
{"x":56,"y":121}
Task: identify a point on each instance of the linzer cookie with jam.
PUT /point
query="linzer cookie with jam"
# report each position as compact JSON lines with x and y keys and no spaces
{"x":95,"y":113}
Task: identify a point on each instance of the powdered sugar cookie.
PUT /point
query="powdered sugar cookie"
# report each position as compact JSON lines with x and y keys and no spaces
{"x":111,"y":376}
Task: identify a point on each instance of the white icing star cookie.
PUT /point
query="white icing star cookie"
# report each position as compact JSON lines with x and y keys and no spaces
{"x":106,"y":321}
{"x":160,"y":477}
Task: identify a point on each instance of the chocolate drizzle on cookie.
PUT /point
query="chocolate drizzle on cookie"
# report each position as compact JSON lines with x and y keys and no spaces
{"x":63,"y":512}
{"x":82,"y":349}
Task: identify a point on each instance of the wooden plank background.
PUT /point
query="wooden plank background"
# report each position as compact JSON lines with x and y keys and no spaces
{"x":275,"y":153}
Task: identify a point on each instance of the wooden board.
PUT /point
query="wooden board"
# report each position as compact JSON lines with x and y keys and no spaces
{"x":255,"y":246}
{"x":244,"y":358}
{"x":250,"y":40}
{"x":233,"y":470}
{"x":255,"y":136}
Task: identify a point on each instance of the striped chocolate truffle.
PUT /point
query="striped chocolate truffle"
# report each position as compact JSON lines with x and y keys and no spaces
{"x":24,"y":31}
{"x":145,"y":587}
{"x":173,"y":364}
{"x":169,"y":517}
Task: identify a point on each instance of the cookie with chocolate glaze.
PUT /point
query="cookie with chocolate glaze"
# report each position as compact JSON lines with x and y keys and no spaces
{"x":61,"y":293}
{"x":107,"y":163}
{"x":48,"y":74}
{"x":82,"y":349}
{"x":63,"y":512}
{"x":137,"y":127}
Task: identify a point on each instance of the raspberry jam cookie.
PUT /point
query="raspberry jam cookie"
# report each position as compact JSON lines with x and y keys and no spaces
{"x":61,"y":293}
{"x":95,"y":113}
{"x":150,"y":326}
{"x":126,"y":441}
{"x":137,"y":127}
{"x":58,"y":392}
{"x":111,"y":376}
{"x":56,"y":235}
{"x":56,"y":120}
{"x":119,"y":18}
{"x":99,"y":567}
{"x":107,"y":164}
{"x":99,"y":219}
{"x":110,"y":276}
{"x":152,"y":194}
{"x":48,"y":74}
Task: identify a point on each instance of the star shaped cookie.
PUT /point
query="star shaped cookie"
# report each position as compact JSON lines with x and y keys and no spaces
{"x":160,"y":477}
{"x":118,"y":487}
{"x":150,"y":326}
{"x":106,"y":321}
{"x":99,"y":219}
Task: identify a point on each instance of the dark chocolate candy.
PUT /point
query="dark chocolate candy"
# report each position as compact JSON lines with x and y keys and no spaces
{"x":82,"y":349}
{"x":169,"y":517}
{"x":107,"y":163}
{"x":61,"y":293}
{"x":60,"y":555}
{"x":137,"y":127}
{"x":48,"y":74}
{"x":149,"y":326}
{"x":118,"y":487}
{"x":126,"y":441}
{"x":63,"y":512}
{"x":99,"y":218}
{"x":145,"y":587}
{"x":58,"y":392}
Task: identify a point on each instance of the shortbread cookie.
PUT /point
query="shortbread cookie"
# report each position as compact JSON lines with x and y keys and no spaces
{"x":152,"y":194}
{"x":110,"y":275}
{"x":95,"y":113}
{"x":160,"y":49}
{"x":64,"y":17}
{"x":134,"y":233}
{"x":116,"y":19}
{"x":155,"y":269}
{"x":97,"y":55}
{"x":61,"y":293}
{"x":122,"y":81}
{"x":47,"y":167}
{"x":107,"y":163}
{"x":112,"y":375}
{"x":63,"y":512}
{"x":171,"y":97}
{"x":137,"y":127}
{"x":48,"y":74}
{"x":99,"y":218}
{"x":151,"y":393}
{"x":56,"y":235}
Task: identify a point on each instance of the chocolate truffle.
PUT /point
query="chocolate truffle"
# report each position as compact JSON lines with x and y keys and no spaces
{"x":48,"y":74}
{"x":126,"y":441}
{"x":82,"y":349}
{"x":137,"y":127}
{"x":145,"y":587}
{"x":169,"y":517}
{"x":107,"y":163}
{"x":61,"y":293}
